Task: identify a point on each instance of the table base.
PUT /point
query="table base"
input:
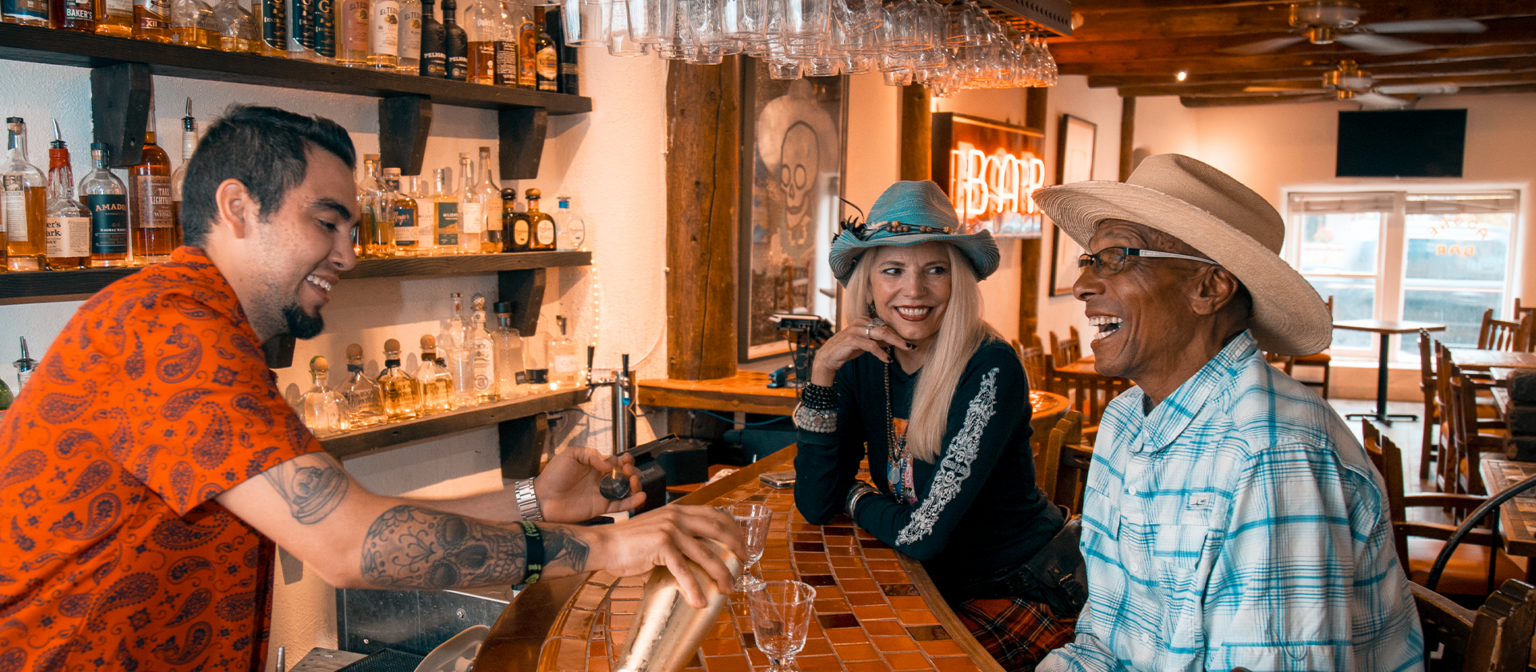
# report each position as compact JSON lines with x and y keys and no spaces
{"x":1383,"y":418}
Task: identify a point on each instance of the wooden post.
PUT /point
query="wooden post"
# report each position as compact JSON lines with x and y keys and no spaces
{"x":702,"y":149}
{"x":916,"y":133}
{"x":1127,"y":135}
{"x":1029,"y":287}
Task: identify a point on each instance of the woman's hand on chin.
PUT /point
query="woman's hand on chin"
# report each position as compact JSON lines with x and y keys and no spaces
{"x":865,"y":334}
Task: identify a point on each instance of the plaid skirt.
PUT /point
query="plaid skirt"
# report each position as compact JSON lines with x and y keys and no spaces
{"x":1018,"y":633}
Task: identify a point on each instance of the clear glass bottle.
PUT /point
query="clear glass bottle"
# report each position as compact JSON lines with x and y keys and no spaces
{"x":445,"y":207}
{"x":510,"y":376}
{"x":152,"y":227}
{"x":482,"y":352}
{"x":376,"y":226}
{"x":489,"y":196}
{"x":24,"y":367}
{"x":401,"y":392}
{"x":455,"y":42}
{"x":471,"y":207}
{"x":365,"y":399}
{"x":114,"y":17}
{"x":236,"y":30}
{"x":434,"y":62}
{"x":536,"y":360}
{"x":451,"y":340}
{"x":482,"y":28}
{"x":352,"y":32}
{"x":410,"y":38}
{"x":73,"y":15}
{"x":514,"y":218}
{"x":565,"y":365}
{"x":573,"y":230}
{"x":324,"y":409}
{"x":68,"y":227}
{"x":179,"y":177}
{"x":107,"y":200}
{"x":23,"y":201}
{"x":384,"y":35}
{"x":426,"y":215}
{"x":184,"y":23}
{"x":436,"y":382}
{"x":272,"y":27}
{"x":506,"y":41}
{"x":541,"y":225}
{"x":151,"y":20}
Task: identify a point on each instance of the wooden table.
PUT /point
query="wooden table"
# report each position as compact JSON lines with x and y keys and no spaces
{"x":1385,"y":328}
{"x":1483,"y":360}
{"x":1500,"y":391}
{"x":1517,"y":517}
{"x":876,"y":609}
{"x":1084,"y":365}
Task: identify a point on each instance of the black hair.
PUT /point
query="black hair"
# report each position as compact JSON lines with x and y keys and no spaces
{"x":262,"y":147}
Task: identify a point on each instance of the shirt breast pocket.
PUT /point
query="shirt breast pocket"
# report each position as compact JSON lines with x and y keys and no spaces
{"x":1177,"y":551}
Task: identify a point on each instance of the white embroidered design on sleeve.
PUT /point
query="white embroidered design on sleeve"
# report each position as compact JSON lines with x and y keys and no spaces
{"x":956,"y":465}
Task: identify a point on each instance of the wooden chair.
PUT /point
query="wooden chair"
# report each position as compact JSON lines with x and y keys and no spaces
{"x":1470,"y":437}
{"x":1089,"y":394}
{"x":1501,"y":334}
{"x":1061,"y":468}
{"x":1520,"y":311}
{"x":1496,"y":637}
{"x":1428,"y":448}
{"x":1322,"y":361}
{"x":1036,"y":367}
{"x":1064,"y":352}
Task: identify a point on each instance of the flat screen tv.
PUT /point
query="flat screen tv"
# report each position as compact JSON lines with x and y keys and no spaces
{"x":1401,"y":143}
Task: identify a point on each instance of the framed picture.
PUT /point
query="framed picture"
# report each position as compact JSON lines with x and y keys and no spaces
{"x":989,"y":169}
{"x":791,"y":189}
{"x":1074,"y":163}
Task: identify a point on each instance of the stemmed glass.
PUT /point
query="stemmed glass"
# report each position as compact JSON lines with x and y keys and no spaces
{"x":754,"y":520}
{"x":781,"y":617}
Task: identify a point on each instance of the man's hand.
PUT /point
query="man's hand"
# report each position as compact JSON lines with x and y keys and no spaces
{"x":669,"y":536}
{"x":568,"y":487}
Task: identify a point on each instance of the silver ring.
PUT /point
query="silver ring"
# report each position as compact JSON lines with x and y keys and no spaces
{"x":876,"y":322}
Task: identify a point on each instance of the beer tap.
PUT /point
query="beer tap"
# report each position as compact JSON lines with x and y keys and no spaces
{"x":622,"y":387}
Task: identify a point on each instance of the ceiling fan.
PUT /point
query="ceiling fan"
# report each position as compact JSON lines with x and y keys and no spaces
{"x":1329,"y":21}
{"x":1348,"y":82}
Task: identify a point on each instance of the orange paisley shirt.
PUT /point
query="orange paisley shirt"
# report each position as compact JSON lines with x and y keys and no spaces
{"x":114,"y":554}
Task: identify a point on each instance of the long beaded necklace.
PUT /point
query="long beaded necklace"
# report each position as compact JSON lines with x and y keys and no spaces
{"x":898,"y":469}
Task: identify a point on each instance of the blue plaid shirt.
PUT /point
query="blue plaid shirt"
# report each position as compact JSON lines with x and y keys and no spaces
{"x":1238,"y":524}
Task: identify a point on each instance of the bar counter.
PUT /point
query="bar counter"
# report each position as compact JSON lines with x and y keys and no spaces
{"x":876,"y":609}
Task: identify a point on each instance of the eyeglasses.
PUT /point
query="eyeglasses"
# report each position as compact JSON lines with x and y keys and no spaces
{"x":864,"y":231}
{"x":1111,"y":260}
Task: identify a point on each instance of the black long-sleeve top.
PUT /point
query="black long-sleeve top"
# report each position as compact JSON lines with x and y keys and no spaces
{"x":978,"y":509}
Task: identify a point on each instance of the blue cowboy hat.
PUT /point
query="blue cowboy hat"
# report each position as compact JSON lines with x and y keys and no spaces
{"x":912,"y":213}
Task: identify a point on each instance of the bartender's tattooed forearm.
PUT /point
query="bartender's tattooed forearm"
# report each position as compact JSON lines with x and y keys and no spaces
{"x":414,"y":547}
{"x":313,"y":485}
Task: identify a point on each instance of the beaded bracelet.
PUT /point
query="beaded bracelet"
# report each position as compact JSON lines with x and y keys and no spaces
{"x":817,"y":397}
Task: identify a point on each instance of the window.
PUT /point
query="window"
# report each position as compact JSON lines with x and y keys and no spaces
{"x":1427,"y":257}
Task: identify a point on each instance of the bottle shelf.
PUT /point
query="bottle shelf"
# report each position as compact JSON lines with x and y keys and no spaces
{"x":45,"y":286}
{"x":86,"y":50}
{"x":383,"y":437}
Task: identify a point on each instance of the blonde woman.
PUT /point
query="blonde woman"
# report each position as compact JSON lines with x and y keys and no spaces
{"x":939,"y":404}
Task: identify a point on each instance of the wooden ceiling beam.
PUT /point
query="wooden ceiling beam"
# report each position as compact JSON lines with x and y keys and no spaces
{"x":1285,"y":61}
{"x":1269,"y":17}
{"x":1379,"y":71}
{"x":1234,"y":88}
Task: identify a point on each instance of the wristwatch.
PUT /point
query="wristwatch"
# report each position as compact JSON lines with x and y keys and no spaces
{"x":527,"y":501}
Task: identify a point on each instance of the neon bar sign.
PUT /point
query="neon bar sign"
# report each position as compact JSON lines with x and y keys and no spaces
{"x":982,"y":185}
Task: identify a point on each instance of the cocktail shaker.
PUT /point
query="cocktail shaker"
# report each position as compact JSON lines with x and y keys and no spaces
{"x":667,"y":631}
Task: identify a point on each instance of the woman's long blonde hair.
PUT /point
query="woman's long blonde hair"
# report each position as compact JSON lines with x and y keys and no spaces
{"x":960,"y":334}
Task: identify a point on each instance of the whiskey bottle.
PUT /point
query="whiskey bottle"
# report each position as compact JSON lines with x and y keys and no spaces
{"x":573,"y":230}
{"x":436,"y":383}
{"x":515,"y":220}
{"x":179,"y":178}
{"x":482,"y":28}
{"x":273,"y":18}
{"x":482,"y":352}
{"x":471,"y":208}
{"x":384,"y":35}
{"x":512,"y":12}
{"x":455,"y":43}
{"x":410,"y":38}
{"x":540,"y":223}
{"x":114,"y":17}
{"x":25,"y":12}
{"x":23,"y":201}
{"x":324,"y":409}
{"x":352,"y":33}
{"x":68,"y":228}
{"x":151,"y":20}
{"x":75,"y":15}
{"x":299,"y":39}
{"x":490,"y":206}
{"x":445,"y":206}
{"x":401,"y":215}
{"x":426,"y":215}
{"x":536,"y":360}
{"x":236,"y":29}
{"x":401,"y":392}
{"x":546,"y":57}
{"x":324,"y":25}
{"x":565,"y":369}
{"x":365,"y":400}
{"x":207,"y":25}
{"x":434,"y":62}
{"x":151,"y":226}
{"x":510,"y":377}
{"x":107,"y":200}
{"x":527,"y":50}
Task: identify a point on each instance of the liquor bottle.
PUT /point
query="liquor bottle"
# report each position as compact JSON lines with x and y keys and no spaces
{"x":207,"y":25}
{"x":365,"y":400}
{"x":23,"y":202}
{"x":184,"y":26}
{"x":554,"y":25}
{"x":68,"y":227}
{"x":515,"y":220}
{"x":410,"y":38}
{"x":299,"y":38}
{"x":453,"y":342}
{"x":434,"y":61}
{"x":510,"y":377}
{"x":151,"y":226}
{"x":114,"y":17}
{"x":24,"y":367}
{"x":536,"y":360}
{"x":445,"y":207}
{"x":107,"y":200}
{"x":377,"y":228}
{"x":384,"y":35}
{"x":570,"y":78}
{"x":565,"y":369}
{"x":471,"y":208}
{"x":512,"y":12}
{"x":324,"y":26}
{"x":490,"y":206}
{"x":546,"y":57}
{"x":352,"y":33}
{"x":401,"y":392}
{"x":455,"y":43}
{"x":573,"y":230}
{"x":150,"y":20}
{"x":527,"y":50}
{"x":25,"y":12}
{"x":400,"y":215}
{"x":273,"y":17}
{"x":236,"y":30}
{"x":436,"y":382}
{"x":540,"y":224}
{"x":179,"y":178}
{"x":75,"y":15}
{"x":482,"y":352}
{"x":482,"y":28}
{"x":426,"y":216}
{"x":324,"y":409}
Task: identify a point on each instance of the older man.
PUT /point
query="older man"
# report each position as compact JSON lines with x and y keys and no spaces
{"x":1230,"y":518}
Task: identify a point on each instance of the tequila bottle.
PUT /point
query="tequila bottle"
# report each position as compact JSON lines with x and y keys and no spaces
{"x":23,"y":201}
{"x":376,"y":230}
{"x":546,"y":56}
{"x":186,"y":24}
{"x":426,"y":215}
{"x":107,"y":200}
{"x":527,"y":50}
{"x":514,"y":218}
{"x":455,"y":42}
{"x":512,"y":12}
{"x":325,"y":410}
{"x":536,"y":360}
{"x":410,"y":38}
{"x":365,"y":400}
{"x":565,"y":366}
{"x":482,"y":352}
{"x":323,"y":40}
{"x":271,"y":19}
{"x":434,"y":62}
{"x":384,"y":35}
{"x":451,"y":341}
{"x":179,"y":178}
{"x":151,"y":226}
{"x":114,"y":17}
{"x":471,"y":208}
{"x":68,"y":228}
{"x":445,"y":206}
{"x":352,"y":32}
{"x":510,"y":376}
{"x":573,"y":231}
{"x":401,"y":392}
{"x":540,"y":224}
{"x":436,"y":382}
{"x":489,"y":198}
{"x":237,"y":32}
{"x":398,"y":216}
{"x":482,"y":28}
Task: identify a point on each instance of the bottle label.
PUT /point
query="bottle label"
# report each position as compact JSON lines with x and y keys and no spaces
{"x":273,"y":23}
{"x":548,"y":64}
{"x":74,"y":10}
{"x":67,"y":237}
{"x":13,"y":202}
{"x":521,"y":377}
{"x":565,"y":363}
{"x":483,"y":57}
{"x":109,"y":223}
{"x":405,"y":227}
{"x":301,"y":27}
{"x":577,"y":232}
{"x":506,"y":63}
{"x":155,"y":12}
{"x":325,"y":29}
{"x":153,"y":193}
{"x":119,"y":7}
{"x":546,"y":232}
{"x":448,"y":224}
{"x":385,"y":29}
{"x":410,"y":31}
{"x":520,"y":233}
{"x":436,"y":64}
{"x":458,"y":67}
{"x":527,"y":46}
{"x":484,"y":366}
{"x":471,"y":215}
{"x":354,"y":25}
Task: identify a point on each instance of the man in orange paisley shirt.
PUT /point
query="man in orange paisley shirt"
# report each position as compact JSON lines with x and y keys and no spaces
{"x":135,"y":534}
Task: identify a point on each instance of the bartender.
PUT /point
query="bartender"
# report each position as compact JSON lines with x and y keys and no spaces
{"x":151,"y":463}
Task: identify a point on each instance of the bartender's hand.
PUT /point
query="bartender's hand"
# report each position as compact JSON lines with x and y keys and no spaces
{"x":665,"y":537}
{"x":848,"y":344}
{"x":568,"y":487}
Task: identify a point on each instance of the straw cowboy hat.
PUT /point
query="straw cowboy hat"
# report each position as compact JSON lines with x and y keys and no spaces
{"x":912,"y":213}
{"x":1221,"y":218}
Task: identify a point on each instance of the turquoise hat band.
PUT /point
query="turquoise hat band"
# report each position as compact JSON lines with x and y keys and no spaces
{"x":912,"y":213}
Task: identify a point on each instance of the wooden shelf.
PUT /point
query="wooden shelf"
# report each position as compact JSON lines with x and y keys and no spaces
{"x":381,"y":437}
{"x":85,"y":50}
{"x":46,"y":286}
